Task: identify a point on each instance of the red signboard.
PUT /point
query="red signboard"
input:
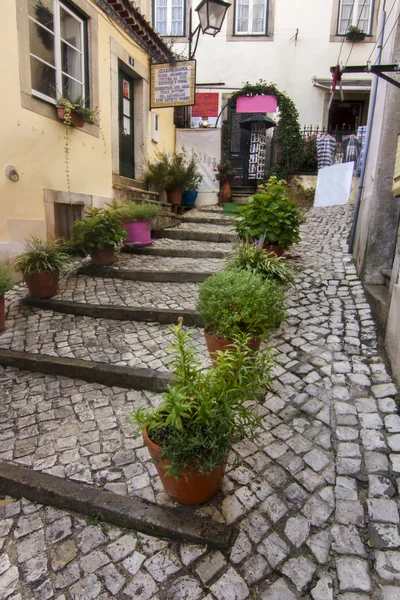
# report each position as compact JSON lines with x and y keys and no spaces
{"x":206,"y":105}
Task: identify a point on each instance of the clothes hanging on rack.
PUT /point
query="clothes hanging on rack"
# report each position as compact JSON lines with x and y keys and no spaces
{"x":362,"y":136}
{"x":351,"y":149}
{"x":326,"y":146}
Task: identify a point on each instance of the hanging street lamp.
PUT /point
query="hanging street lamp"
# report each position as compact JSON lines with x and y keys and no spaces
{"x":211,"y":16}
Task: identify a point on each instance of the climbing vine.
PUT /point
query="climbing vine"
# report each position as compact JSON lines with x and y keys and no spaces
{"x":289,"y":138}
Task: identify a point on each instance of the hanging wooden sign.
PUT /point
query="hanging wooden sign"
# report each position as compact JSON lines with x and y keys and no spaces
{"x":173,"y":85}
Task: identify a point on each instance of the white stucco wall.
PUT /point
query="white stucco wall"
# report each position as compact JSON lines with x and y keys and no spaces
{"x":289,"y":65}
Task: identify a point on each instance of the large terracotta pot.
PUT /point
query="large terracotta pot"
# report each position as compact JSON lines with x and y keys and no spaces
{"x":174,"y":196}
{"x":186,"y":489}
{"x":102,"y":258}
{"x":76,"y":120}
{"x":274,"y":249}
{"x":225,"y":193}
{"x":139,"y":234}
{"x":214,"y":344}
{"x":2,"y":314}
{"x":42,"y":285}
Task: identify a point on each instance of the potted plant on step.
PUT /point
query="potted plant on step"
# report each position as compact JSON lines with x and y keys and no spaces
{"x":251,"y":257}
{"x":136,"y":219}
{"x":224,"y":173}
{"x":190,"y":434}
{"x":194,"y":179}
{"x":270,"y":218}
{"x":98,"y":234}
{"x":40,"y":265}
{"x":235,"y":302}
{"x":6,"y":284}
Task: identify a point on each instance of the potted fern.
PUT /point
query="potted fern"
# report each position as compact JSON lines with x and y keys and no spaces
{"x":6,"y":284}
{"x":136,"y":221}
{"x":252,"y":257}
{"x":40,"y":265}
{"x":191,"y":433}
{"x":98,"y":234}
{"x":194,"y":179}
{"x":237,"y":302}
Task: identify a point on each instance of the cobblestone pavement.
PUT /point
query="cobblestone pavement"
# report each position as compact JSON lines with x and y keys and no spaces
{"x":192,"y":244}
{"x":161,"y":263}
{"x":315,"y":501}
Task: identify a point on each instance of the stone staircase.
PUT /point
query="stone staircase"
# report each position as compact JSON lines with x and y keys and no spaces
{"x":240,"y":194}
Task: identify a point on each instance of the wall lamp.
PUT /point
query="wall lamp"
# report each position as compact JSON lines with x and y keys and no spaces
{"x":211,"y":16}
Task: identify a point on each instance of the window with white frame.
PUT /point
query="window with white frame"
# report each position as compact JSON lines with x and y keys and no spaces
{"x":57,"y":50}
{"x":356,"y":13}
{"x":251,"y":17}
{"x":169,"y":17}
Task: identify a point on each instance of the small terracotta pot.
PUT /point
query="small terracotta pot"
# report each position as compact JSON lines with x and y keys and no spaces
{"x":42,"y":285}
{"x":214,"y":344}
{"x":2,"y":314}
{"x":186,"y":489}
{"x":174,"y":196}
{"x":102,"y":258}
{"x":76,"y":120}
{"x":225,"y":193}
{"x":273,"y":249}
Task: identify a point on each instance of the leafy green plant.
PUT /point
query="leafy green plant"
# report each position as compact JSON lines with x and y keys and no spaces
{"x":194,"y":177}
{"x":99,"y":229}
{"x":173,"y":171}
{"x":235,"y":301}
{"x":253,"y":258}
{"x":224,"y":172}
{"x":206,"y":411}
{"x":270,"y":216}
{"x":6,"y":282}
{"x":145,"y":211}
{"x":40,"y":255}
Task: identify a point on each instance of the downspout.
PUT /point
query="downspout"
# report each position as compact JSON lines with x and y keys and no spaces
{"x":371,"y":111}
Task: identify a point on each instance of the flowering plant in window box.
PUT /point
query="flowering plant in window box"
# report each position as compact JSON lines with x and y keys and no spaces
{"x":75,"y":113}
{"x":355,"y":34}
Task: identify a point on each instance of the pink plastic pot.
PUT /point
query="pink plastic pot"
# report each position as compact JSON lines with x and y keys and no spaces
{"x":139,"y":233}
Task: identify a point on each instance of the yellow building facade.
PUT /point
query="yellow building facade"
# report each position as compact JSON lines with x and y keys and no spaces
{"x":103,"y":50}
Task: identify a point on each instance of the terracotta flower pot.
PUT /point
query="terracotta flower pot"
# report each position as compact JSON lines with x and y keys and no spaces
{"x":274,"y":249}
{"x":225,"y":193}
{"x":214,"y":344}
{"x":42,"y":285}
{"x":174,"y":196}
{"x":2,"y":314}
{"x":194,"y":488}
{"x":103,"y":257}
{"x":76,"y":120}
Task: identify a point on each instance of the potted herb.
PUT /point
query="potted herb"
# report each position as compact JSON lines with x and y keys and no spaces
{"x":40,"y":265}
{"x":224,"y":173}
{"x":194,"y":179}
{"x":6,"y":284}
{"x":354,"y":34}
{"x":235,"y":302}
{"x":136,"y":221}
{"x":270,"y":218}
{"x":190,"y":434}
{"x":98,"y":234}
{"x":252,"y":257}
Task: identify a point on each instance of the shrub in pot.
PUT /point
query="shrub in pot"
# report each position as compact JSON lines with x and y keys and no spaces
{"x":194,"y":179}
{"x":235,"y":302}
{"x":171,"y":172}
{"x":136,"y":221}
{"x":98,"y":234}
{"x":253,"y":258}
{"x":270,"y":217}
{"x":40,"y":264}
{"x":190,"y":434}
{"x":6,"y":284}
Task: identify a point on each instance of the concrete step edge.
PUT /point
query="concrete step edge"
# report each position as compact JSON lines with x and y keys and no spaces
{"x":145,"y":275}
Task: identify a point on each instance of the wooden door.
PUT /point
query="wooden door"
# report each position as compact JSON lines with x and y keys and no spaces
{"x":125,"y":126}
{"x":239,"y":145}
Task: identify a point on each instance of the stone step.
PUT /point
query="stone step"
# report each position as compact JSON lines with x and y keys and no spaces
{"x":123,"y":193}
{"x":123,"y":511}
{"x":189,"y":231}
{"x":176,"y":252}
{"x":144,"y":275}
{"x":219,"y":220}
{"x":387,"y":275}
{"x":165,"y":316}
{"x":87,"y":370}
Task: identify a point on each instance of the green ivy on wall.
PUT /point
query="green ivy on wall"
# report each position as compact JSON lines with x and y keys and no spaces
{"x":289,"y":139}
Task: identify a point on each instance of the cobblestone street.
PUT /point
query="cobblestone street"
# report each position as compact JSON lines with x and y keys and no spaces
{"x":315,"y":502}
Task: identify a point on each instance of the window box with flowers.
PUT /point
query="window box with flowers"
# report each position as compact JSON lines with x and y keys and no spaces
{"x":354,"y":34}
{"x":224,"y":174}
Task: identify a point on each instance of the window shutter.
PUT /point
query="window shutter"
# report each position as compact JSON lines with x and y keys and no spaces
{"x":345,"y":15}
{"x":242,"y":16}
{"x":364,"y":15}
{"x":258,"y":24}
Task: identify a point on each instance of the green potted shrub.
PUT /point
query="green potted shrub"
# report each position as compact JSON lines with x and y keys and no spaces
{"x":251,"y":257}
{"x":194,"y":179}
{"x":136,"y":221}
{"x":235,"y":302}
{"x":190,"y":434}
{"x":40,"y":265}
{"x":171,"y":172}
{"x":98,"y":234}
{"x":270,"y":218}
{"x":6,"y":284}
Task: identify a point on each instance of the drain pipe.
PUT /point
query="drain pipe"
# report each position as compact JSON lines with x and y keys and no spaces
{"x":371,"y":111}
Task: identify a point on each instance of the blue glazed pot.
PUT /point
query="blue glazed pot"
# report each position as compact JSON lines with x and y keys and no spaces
{"x":189,"y":197}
